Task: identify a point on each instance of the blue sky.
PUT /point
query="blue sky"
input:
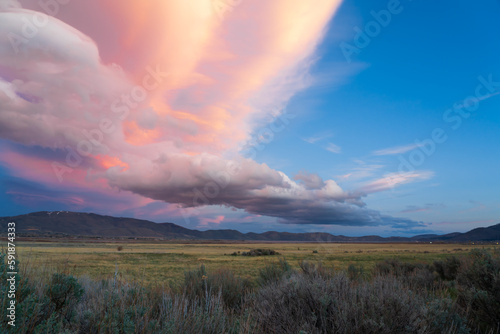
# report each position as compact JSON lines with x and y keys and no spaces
{"x":410,"y":93}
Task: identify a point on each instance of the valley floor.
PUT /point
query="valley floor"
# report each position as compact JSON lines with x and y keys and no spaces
{"x":159,"y":262}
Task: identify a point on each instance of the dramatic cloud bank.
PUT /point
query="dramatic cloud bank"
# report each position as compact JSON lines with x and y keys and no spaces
{"x":161,"y":100}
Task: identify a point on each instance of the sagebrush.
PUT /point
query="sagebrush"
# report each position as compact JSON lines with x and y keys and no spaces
{"x":455,"y":295}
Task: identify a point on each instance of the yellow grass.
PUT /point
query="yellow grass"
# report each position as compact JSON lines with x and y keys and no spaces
{"x":164,"y":262}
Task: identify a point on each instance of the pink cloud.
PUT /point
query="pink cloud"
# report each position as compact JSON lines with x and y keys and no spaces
{"x":24,"y":197}
{"x":80,"y":189}
{"x":206,"y":222}
{"x":393,"y":180}
{"x":156,"y":98}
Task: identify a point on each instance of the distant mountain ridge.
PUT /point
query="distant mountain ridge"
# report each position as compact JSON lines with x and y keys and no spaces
{"x":67,"y":223}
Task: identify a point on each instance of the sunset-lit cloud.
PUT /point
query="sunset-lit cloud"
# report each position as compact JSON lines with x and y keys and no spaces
{"x":209,"y":222}
{"x":160,"y":106}
{"x":393,"y":180}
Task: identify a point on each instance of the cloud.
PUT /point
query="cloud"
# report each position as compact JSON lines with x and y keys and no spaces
{"x":9,"y":4}
{"x":397,"y":149}
{"x":317,"y":138}
{"x":206,"y":222}
{"x":331,"y":147}
{"x":37,"y":196}
{"x":477,"y":206}
{"x":414,"y":208}
{"x":167,"y":123}
{"x":59,"y":68}
{"x":342,"y":215}
{"x":426,"y":207}
{"x":310,"y":180}
{"x":392,"y":180}
{"x":465,"y":224}
{"x":361,"y":172}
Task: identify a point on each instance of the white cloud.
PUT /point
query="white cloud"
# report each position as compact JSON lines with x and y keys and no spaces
{"x":317,"y":138}
{"x":331,"y":147}
{"x":397,"y":149}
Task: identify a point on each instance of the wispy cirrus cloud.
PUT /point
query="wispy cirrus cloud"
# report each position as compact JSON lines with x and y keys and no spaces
{"x":333,"y":148}
{"x":477,"y":206}
{"x":392,"y":180}
{"x":397,"y":149}
{"x":321,"y":137}
{"x":318,"y":137}
{"x":423,"y":208}
{"x":361,"y":171}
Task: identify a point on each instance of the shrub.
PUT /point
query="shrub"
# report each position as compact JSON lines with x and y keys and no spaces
{"x":308,"y":304}
{"x":64,"y":291}
{"x":315,"y":270}
{"x":62,"y":296}
{"x":195,"y":282}
{"x":447,"y":269}
{"x":260,"y":252}
{"x":199,"y":283}
{"x":401,"y":298}
{"x":478,"y":281}
{"x":273,"y":272}
{"x":354,"y":272}
{"x":416,"y":275}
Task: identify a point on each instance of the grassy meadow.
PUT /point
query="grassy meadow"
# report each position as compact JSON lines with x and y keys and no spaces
{"x":118,"y":286}
{"x":156,"y":262}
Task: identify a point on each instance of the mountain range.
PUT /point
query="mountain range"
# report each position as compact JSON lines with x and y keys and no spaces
{"x":65,"y":223}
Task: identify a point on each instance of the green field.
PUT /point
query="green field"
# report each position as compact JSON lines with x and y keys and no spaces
{"x":165,"y":262}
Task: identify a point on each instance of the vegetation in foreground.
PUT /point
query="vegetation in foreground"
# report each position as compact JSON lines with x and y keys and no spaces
{"x":460,"y":294}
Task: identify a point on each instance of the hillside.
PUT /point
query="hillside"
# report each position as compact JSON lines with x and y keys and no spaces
{"x":66,"y":223}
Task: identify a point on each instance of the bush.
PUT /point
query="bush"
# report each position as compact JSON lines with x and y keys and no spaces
{"x":416,"y":275}
{"x":199,"y":283}
{"x":355,"y":273}
{"x":308,"y":304}
{"x":447,"y":269}
{"x":273,"y":272}
{"x":64,"y":291}
{"x":260,"y":252}
{"x":478,"y":281}
{"x":315,"y":270}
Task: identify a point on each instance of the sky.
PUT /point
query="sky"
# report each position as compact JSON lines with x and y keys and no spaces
{"x":347,"y":117}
